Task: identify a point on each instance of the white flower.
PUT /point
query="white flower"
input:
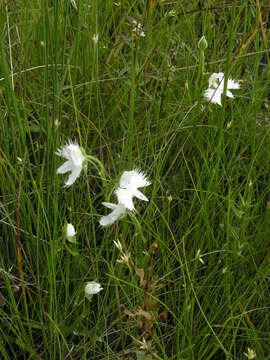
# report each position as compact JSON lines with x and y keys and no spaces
{"x":172,"y":13}
{"x":118,"y":245}
{"x":75,"y":158}
{"x":133,"y":179}
{"x":130,"y":181}
{"x":119,"y":210}
{"x":250,"y":354}
{"x":138,"y":28}
{"x":216,"y":88}
{"x":123,"y":259}
{"x":95,"y":38}
{"x":198,"y":256}
{"x":70,"y":233}
{"x":73,"y":3}
{"x":92,"y":288}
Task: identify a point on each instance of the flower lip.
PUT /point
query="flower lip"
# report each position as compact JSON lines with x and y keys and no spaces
{"x":119,"y":210}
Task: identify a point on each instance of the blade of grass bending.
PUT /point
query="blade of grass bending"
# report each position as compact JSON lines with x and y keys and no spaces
{"x":11,"y":95}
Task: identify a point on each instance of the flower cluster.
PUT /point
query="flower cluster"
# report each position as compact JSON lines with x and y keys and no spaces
{"x":130,"y":181}
{"x":138,"y":29}
{"x":124,"y":255}
{"x":129,"y":184}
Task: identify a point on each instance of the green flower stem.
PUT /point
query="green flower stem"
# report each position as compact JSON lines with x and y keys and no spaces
{"x":202,"y":61}
{"x":130,"y":132}
{"x":201,"y":68}
{"x":99,"y":166}
{"x":202,"y":45}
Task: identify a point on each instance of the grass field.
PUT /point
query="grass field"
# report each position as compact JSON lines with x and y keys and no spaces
{"x":125,"y":80}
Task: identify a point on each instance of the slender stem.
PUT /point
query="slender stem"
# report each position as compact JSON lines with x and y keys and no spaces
{"x":100,"y":168}
{"x":130,"y":134}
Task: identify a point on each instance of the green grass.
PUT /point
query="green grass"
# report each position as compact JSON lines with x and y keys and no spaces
{"x":134,"y":102}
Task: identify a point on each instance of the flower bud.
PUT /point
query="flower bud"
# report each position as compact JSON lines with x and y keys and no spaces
{"x":69,"y":233}
{"x":202,"y":44}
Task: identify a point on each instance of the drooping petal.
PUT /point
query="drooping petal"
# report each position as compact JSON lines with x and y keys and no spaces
{"x":116,"y":214}
{"x":73,"y":176}
{"x":67,"y":166}
{"x":136,"y":193}
{"x":109,"y":205}
{"x":229,"y":94}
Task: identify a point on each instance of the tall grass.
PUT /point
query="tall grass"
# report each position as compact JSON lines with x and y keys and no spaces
{"x":134,"y":102}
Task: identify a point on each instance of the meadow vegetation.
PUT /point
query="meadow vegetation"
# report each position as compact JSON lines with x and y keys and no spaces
{"x":186,"y":276}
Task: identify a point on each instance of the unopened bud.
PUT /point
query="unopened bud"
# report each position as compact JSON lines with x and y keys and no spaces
{"x":202,"y":44}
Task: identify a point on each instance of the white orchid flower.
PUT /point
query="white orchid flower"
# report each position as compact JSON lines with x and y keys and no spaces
{"x":216,"y":88}
{"x":75,"y":159}
{"x":130,"y":181}
{"x":92,"y":288}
